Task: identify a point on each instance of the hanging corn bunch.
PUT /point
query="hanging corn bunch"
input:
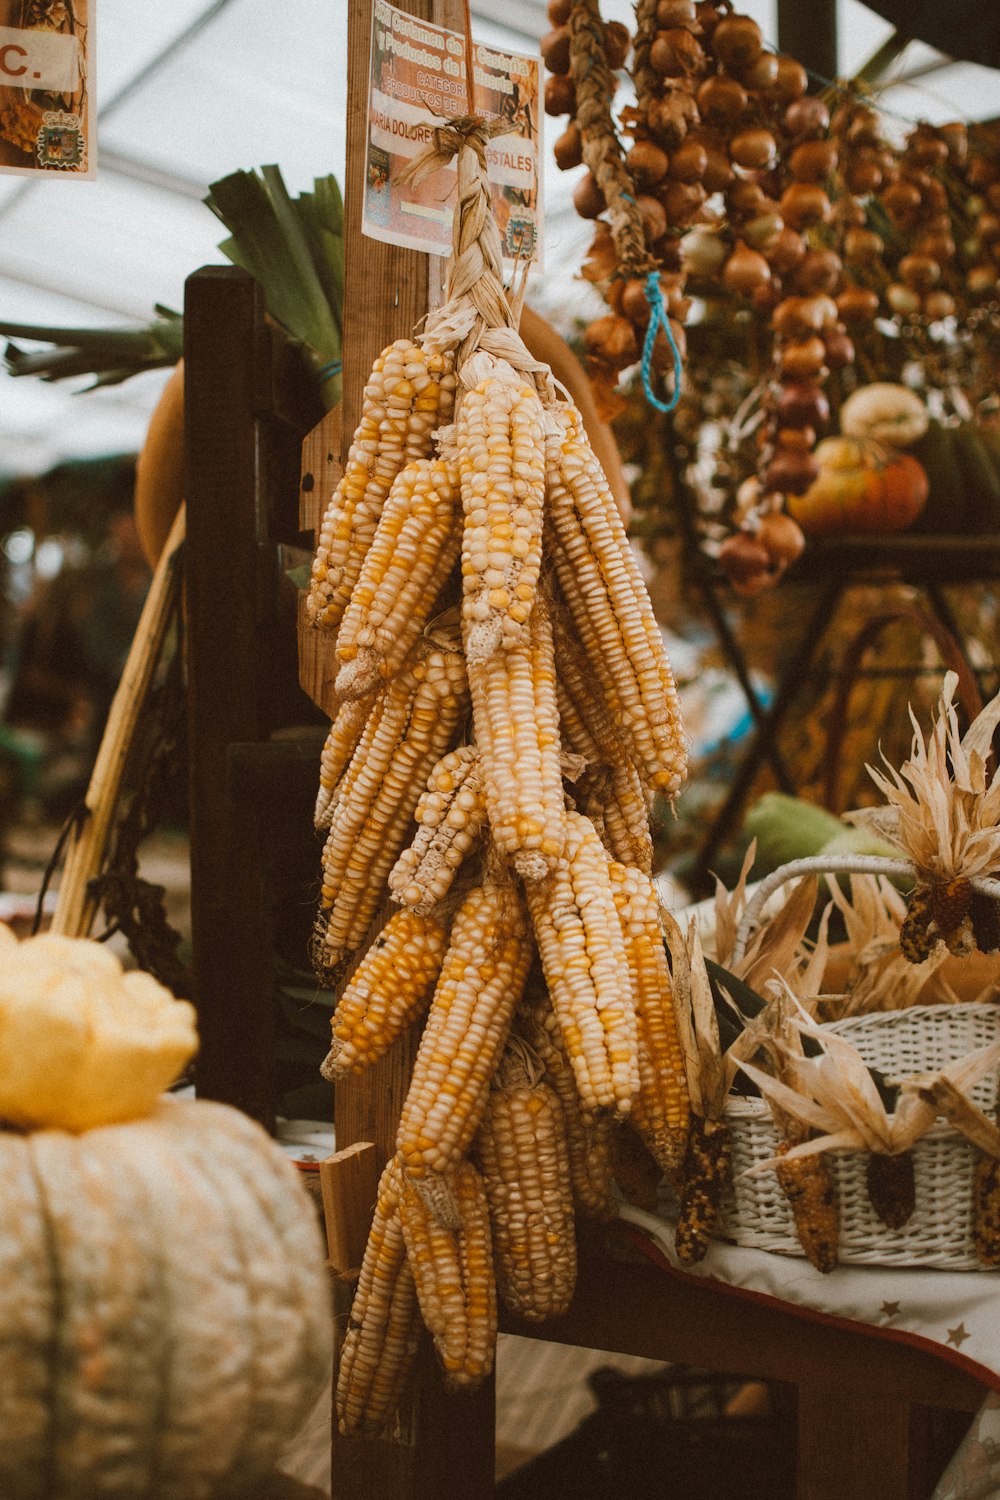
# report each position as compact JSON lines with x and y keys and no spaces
{"x":507,"y":715}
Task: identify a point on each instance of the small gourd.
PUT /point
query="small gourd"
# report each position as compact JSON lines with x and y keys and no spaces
{"x":164,"y":1307}
{"x":886,"y":412}
{"x":861,"y":487}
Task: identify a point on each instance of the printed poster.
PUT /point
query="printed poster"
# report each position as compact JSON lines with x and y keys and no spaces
{"x":46,"y":87}
{"x":418,"y":77}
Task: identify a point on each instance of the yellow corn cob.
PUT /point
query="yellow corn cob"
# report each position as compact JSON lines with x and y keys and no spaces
{"x":706,"y":1170}
{"x":517,"y":734}
{"x":601,"y":584}
{"x":415,"y":546}
{"x":616,"y":798}
{"x":582,"y":950}
{"x":523,"y":1155}
{"x":345,"y":733}
{"x":807,"y":1182}
{"x":409,"y":393}
{"x":500,"y":449}
{"x":388,"y":990}
{"x":588,"y":1136}
{"x":453,"y":1273}
{"x":662,"y":1108}
{"x":476,"y":995}
{"x":450,"y":817}
{"x":370,"y":821}
{"x":383,"y":1329}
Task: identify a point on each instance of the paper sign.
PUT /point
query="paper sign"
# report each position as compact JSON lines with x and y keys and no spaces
{"x":417,"y":79}
{"x":46,"y":87}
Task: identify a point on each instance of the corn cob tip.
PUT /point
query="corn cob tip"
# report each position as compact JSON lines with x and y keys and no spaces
{"x":357,"y":678}
{"x":531,"y":865}
{"x":483,"y":641}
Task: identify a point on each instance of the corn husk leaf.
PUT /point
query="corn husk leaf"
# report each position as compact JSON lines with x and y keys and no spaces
{"x":697,"y":1026}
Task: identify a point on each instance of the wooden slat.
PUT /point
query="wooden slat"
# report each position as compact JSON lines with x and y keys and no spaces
{"x":349,"y":1180}
{"x":321,"y":468}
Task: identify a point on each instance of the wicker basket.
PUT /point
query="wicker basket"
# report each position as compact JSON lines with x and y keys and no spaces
{"x":939,"y":1233}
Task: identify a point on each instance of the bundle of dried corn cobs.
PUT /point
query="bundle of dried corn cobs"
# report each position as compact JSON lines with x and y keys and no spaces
{"x":507,"y":714}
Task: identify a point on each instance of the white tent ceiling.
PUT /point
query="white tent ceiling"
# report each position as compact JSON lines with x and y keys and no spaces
{"x":192,"y":90}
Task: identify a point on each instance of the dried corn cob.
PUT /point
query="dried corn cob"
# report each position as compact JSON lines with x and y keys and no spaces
{"x":607,"y":599}
{"x":661,"y":1108}
{"x":476,"y":995}
{"x":583,"y":957}
{"x":409,"y":393}
{"x":345,"y":733}
{"x":588,"y":1136}
{"x":450,"y":817}
{"x":517,"y":734}
{"x":388,"y":990}
{"x":415,"y":546}
{"x":891,"y":1187}
{"x":369,"y":825}
{"x":917,"y":939}
{"x":986,"y":1209}
{"x":453,"y":1273}
{"x":500,"y":451}
{"x":383,"y":1329}
{"x":522,"y":1151}
{"x":706,"y":1170}
{"x":807,"y":1183}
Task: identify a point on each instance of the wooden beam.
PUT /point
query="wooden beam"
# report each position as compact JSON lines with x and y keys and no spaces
{"x":809,"y":33}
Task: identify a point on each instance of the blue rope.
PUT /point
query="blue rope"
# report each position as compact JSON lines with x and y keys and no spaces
{"x":327,"y":371}
{"x":658,"y":316}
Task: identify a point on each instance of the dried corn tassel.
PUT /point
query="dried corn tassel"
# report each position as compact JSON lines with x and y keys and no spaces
{"x":453,"y":1273}
{"x":345,"y":733}
{"x":582,"y":950}
{"x":600,"y":581}
{"x":415,"y":547}
{"x":588,"y":1136}
{"x":500,"y":451}
{"x":383,"y":1330}
{"x":476,"y":995}
{"x":387,"y":992}
{"x":369,"y":826}
{"x":807,"y":1183}
{"x":661,"y":1108}
{"x":517,"y":734}
{"x":450,"y":817}
{"x":409,"y":393}
{"x":705,"y":1174}
{"x":891,"y":1187}
{"x":523,"y":1155}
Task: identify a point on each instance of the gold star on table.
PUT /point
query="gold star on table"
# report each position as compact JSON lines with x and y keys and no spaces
{"x":890,"y":1309}
{"x":957,"y":1336}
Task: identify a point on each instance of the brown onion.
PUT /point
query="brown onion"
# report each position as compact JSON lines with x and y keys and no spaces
{"x":703,"y":251}
{"x":787,"y":251}
{"x":612,"y":340}
{"x":798,"y":316}
{"x":559,"y":11}
{"x":861,"y":246}
{"x":753,"y":149}
{"x":689,"y":162}
{"x":676,"y":13}
{"x":560,"y":95}
{"x":807,"y":116}
{"x":839,"y":349}
{"x":937,"y":243}
{"x":554,"y":48}
{"x":663,"y":356}
{"x":956,"y":138}
{"x":588,"y":200}
{"x":737,"y":42}
{"x":792,"y":80}
{"x":938,"y":305}
{"x":803,"y":358}
{"x":676,"y":52}
{"x":648,"y":163}
{"x":668,"y":118}
{"x":746,"y":199}
{"x":981,"y":280}
{"x":819,"y":271}
{"x":601,"y":261}
{"x":617,"y":40}
{"x":764,"y":299}
{"x":862,"y":175}
{"x":864,"y":127}
{"x":762,"y":75}
{"x":800,"y":439}
{"x":682,"y":202}
{"x":813,"y":161}
{"x":653,"y":215}
{"x":567,"y":150}
{"x":849,"y":212}
{"x":902,"y":299}
{"x":920,"y":271}
{"x":901,"y":201}
{"x":804,"y":204}
{"x":745,"y":270}
{"x":803,"y":404}
{"x":743,"y":557}
{"x":718,"y":172}
{"x":927,"y":151}
{"x":634,"y":303}
{"x":857,"y":306}
{"x":762,"y":232}
{"x":722,"y":100}
{"x":782,"y":538}
{"x":790,"y":473}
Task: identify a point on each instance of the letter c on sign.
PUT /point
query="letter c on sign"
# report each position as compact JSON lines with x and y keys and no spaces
{"x":5,"y":66}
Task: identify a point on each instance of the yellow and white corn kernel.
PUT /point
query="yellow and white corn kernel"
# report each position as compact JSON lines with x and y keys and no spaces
{"x":409,"y":393}
{"x":341,"y":742}
{"x":453,"y":1274}
{"x":450,"y":817}
{"x":603,"y":588}
{"x":516,"y":725}
{"x":500,"y":448}
{"x":415,"y":546}
{"x":523,"y":1156}
{"x":476,"y":995}
{"x":583,"y":958}
{"x":388,"y":991}
{"x":661,"y":1110}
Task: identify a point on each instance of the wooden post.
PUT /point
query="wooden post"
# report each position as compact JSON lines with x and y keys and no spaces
{"x":809,"y":33}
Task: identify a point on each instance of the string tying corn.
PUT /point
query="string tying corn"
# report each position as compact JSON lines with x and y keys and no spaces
{"x":474,"y":1001}
{"x":409,"y":392}
{"x":661,"y":1109}
{"x":522,"y":1152}
{"x":517,"y":733}
{"x":583,"y":958}
{"x":414,"y":548}
{"x":387,"y":992}
{"x":500,"y":448}
{"x":383,"y":1330}
{"x":453,"y":1274}
{"x":450,"y":817}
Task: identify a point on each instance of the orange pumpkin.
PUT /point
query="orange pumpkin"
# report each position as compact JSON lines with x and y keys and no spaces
{"x":862,"y":486}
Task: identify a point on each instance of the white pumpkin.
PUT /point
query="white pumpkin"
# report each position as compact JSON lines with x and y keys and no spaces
{"x":885,"y":412}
